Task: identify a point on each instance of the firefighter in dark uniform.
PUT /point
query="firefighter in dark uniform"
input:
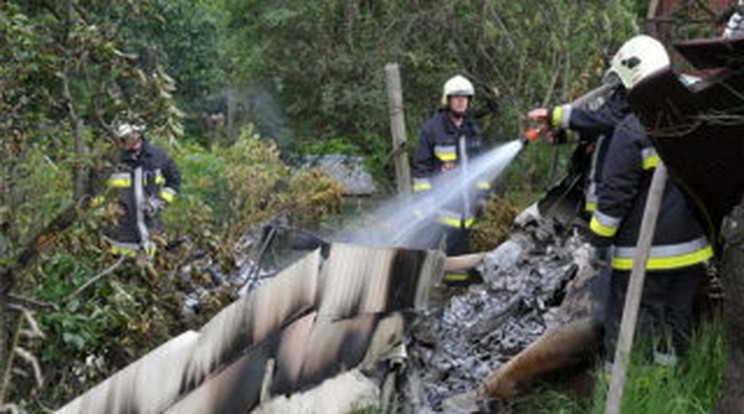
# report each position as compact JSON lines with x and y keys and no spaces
{"x":447,"y":143}
{"x":144,"y":182}
{"x":592,"y":127}
{"x":676,"y":266}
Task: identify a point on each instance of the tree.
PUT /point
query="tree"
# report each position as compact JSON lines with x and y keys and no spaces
{"x":63,"y":83}
{"x":326,"y":57}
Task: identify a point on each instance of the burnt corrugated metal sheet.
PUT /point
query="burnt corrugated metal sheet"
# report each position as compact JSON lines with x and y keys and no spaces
{"x":699,"y":130}
{"x":318,"y":318}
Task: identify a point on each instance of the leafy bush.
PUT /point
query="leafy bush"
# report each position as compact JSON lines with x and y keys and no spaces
{"x":494,"y":225}
{"x":231,"y":189}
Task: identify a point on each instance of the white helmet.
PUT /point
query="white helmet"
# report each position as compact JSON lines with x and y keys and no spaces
{"x":126,"y":129}
{"x":638,"y":58}
{"x":457,"y":86}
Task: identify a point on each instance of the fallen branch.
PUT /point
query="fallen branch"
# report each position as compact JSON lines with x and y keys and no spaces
{"x":95,"y":279}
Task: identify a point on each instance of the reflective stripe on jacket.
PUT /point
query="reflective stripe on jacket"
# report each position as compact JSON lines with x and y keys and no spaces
{"x":438,"y":152}
{"x":137,"y":184}
{"x":679,"y":240}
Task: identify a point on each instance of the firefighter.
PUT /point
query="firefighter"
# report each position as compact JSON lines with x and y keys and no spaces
{"x":676,"y":266}
{"x":592,"y":127}
{"x":447,"y":143}
{"x":145,"y":182}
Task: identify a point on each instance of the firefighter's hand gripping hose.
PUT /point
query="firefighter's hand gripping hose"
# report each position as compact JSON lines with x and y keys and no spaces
{"x":530,"y":134}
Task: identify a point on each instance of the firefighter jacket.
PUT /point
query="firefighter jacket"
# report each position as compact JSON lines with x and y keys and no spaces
{"x":142,"y":185}
{"x":444,"y":148}
{"x":679,"y":240}
{"x":595,"y":128}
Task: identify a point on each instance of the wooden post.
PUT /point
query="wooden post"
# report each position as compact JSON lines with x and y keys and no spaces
{"x":398,"y":128}
{"x":635,"y":290}
{"x":650,"y":16}
{"x":3,"y":318}
{"x":732,"y":400}
{"x":230,"y":115}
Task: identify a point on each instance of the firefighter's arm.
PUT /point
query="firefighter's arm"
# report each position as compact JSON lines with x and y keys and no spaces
{"x":621,"y":178}
{"x":172,"y":181}
{"x":586,"y":122}
{"x":103,"y":183}
{"x":423,"y":162}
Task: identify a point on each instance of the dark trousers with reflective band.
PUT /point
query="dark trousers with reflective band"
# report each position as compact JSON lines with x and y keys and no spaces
{"x":454,"y":241}
{"x":666,"y":308}
{"x":457,"y":240}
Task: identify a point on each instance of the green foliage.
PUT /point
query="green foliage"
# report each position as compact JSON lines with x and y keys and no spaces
{"x":693,"y":386}
{"x":182,"y":36}
{"x":494,"y":225}
{"x":83,"y":325}
{"x":231,"y":189}
{"x":327,"y":58}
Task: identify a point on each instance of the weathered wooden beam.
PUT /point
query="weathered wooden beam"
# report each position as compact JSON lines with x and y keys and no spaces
{"x":398,"y":128}
{"x":464,"y":262}
{"x":732,"y":399}
{"x":635,"y":290}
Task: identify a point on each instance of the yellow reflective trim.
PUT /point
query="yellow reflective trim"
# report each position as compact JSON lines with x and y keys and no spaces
{"x":457,"y":223}
{"x":422,"y":187}
{"x":484,"y":185}
{"x":159,"y":179}
{"x":447,"y":156}
{"x":450,"y":222}
{"x":151,"y":250}
{"x":166,"y":196}
{"x":601,"y":229}
{"x":123,"y":251}
{"x":456,"y":277}
{"x":590,"y":207}
{"x":651,"y":162}
{"x":97,"y":201}
{"x":118,"y":250}
{"x":663,"y":263}
{"x":557,"y":116}
{"x":120,"y":183}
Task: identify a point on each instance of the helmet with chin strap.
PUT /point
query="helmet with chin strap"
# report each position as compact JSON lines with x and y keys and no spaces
{"x":637,"y":59}
{"x":457,"y":86}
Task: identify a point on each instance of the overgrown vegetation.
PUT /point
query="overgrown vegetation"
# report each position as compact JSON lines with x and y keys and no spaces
{"x":494,"y":224}
{"x":519,"y":53}
{"x":71,"y":69}
{"x":68,"y":75}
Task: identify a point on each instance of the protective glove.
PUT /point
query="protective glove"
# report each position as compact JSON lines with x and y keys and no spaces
{"x":154,"y":206}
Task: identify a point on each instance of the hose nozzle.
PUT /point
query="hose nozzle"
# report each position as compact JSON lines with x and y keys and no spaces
{"x":529,"y":135}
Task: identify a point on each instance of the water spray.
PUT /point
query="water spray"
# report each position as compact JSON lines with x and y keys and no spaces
{"x":401,"y":221}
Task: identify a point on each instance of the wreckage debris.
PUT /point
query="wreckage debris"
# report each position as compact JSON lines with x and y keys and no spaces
{"x":337,"y":309}
{"x":343,"y":312}
{"x":521,"y":310}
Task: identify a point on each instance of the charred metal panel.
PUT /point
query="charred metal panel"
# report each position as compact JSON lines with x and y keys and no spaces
{"x":148,"y":385}
{"x":324,"y":315}
{"x":699,"y":133}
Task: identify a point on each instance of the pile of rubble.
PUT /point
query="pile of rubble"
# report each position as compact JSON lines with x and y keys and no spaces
{"x":524,"y":295}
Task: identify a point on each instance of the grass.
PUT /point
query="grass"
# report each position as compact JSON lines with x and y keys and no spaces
{"x":693,"y":386}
